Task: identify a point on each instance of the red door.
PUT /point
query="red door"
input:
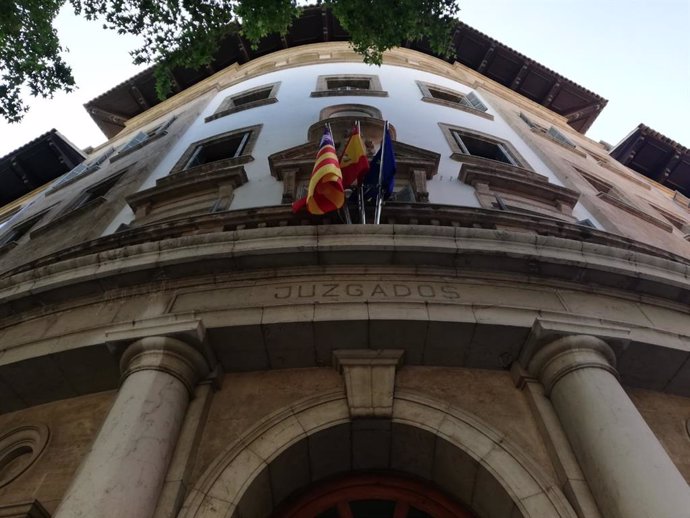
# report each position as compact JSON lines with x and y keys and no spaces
{"x":372,"y":496}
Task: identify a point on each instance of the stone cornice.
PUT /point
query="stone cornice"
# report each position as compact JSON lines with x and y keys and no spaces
{"x":484,"y":251}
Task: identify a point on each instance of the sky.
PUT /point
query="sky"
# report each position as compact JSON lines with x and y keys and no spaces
{"x":635,"y":53}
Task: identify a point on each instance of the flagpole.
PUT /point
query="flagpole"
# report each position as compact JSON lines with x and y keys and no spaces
{"x":360,"y":187}
{"x":379,"y":195}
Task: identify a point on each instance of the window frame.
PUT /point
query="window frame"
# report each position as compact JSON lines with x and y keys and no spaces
{"x":244,"y":155}
{"x":465,"y":102}
{"x":80,"y":171}
{"x":146,"y":137}
{"x":82,"y":202}
{"x":553,"y":134}
{"x":460,"y":152}
{"x":10,"y":238}
{"x":612,"y":195}
{"x":374,"y":90}
{"x":228,"y":106}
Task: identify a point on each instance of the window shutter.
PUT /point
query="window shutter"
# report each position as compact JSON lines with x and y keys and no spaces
{"x":557,"y":135}
{"x":476,"y":103}
{"x":139,"y":138}
{"x":82,"y":170}
{"x":527,"y":120}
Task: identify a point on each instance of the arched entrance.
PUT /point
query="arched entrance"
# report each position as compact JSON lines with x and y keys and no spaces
{"x":304,"y":445}
{"x":380,"y":495}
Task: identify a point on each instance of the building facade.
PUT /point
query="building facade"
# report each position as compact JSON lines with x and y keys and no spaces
{"x":513,"y":340}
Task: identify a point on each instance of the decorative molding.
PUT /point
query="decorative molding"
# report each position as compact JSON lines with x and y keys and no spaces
{"x":293,"y":166}
{"x":166,"y":354}
{"x":246,"y":151}
{"x":30,"y":509}
{"x":429,"y":98}
{"x":374,"y":89}
{"x":461,"y":156}
{"x":528,"y":189}
{"x":515,"y":476}
{"x":553,"y":361}
{"x":204,"y":189}
{"x":228,"y":106}
{"x":369,"y":379}
{"x":19,"y":450}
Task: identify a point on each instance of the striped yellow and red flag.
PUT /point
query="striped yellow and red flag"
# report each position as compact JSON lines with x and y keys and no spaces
{"x":353,"y":162}
{"x":326,"y":192}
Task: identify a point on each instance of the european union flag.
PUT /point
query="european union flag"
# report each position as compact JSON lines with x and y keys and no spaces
{"x":388,"y":170}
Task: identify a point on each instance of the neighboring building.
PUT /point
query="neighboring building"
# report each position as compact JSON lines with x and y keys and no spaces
{"x":512,"y":341}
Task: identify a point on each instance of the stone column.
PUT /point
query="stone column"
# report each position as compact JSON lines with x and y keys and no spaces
{"x":123,"y":473}
{"x":627,"y":469}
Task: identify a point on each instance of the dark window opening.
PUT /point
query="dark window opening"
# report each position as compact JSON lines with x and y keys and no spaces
{"x":252,"y":97}
{"x":231,"y":146}
{"x":16,"y":232}
{"x":446,"y":96}
{"x":93,"y":193}
{"x":348,"y":84}
{"x":484,"y":148}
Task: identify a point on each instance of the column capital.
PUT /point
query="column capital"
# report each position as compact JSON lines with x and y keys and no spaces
{"x":552,"y":361}
{"x":165,"y":354}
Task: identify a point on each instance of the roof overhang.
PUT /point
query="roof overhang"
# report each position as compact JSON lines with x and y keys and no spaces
{"x":657,"y":157}
{"x":473,"y":49}
{"x":36,"y":163}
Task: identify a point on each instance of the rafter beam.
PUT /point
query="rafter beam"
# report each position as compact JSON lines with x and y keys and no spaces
{"x":324,"y":22}
{"x":634,"y":149}
{"x":243,"y":49}
{"x":62,"y":157}
{"x":107,"y":116}
{"x":552,"y":93}
{"x":23,"y":174}
{"x":486,"y":59}
{"x":139,"y":97}
{"x":582,"y":113}
{"x":520,"y":76}
{"x":175,"y":83}
{"x":669,"y":166}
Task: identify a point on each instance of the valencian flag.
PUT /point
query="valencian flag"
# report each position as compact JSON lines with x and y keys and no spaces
{"x":325,"y":192}
{"x":353,"y":162}
{"x":387,"y":170}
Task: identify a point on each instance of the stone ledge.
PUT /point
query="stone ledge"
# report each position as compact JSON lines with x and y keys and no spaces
{"x":399,"y":214}
{"x":473,"y":249}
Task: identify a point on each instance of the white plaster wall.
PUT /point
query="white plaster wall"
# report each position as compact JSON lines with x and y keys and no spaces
{"x":286,"y":122}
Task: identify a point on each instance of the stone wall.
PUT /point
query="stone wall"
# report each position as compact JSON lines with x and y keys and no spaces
{"x":72,"y":425}
{"x":669,"y":418}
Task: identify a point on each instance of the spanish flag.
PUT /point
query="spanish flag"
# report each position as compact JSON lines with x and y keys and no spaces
{"x":353,"y":162}
{"x":325,"y":192}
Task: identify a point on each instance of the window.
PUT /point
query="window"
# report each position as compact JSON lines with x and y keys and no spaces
{"x":220,"y":149}
{"x":143,"y":138}
{"x":7,"y":216}
{"x":551,"y":133}
{"x":612,"y":195}
{"x":89,"y":197}
{"x":225,"y":150}
{"x":93,"y":193}
{"x":466,"y":143}
{"x":674,"y":220}
{"x":348,"y":85}
{"x":252,"y":98}
{"x":439,"y":95}
{"x":472,"y":145}
{"x":80,"y":171}
{"x":19,"y":230}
